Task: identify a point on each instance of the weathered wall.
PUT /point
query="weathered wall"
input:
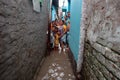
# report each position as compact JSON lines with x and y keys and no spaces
{"x":22,"y":39}
{"x":102,"y":43}
{"x":75,"y":27}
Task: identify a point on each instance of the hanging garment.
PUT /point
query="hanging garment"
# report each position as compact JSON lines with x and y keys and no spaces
{"x":36,"y":5}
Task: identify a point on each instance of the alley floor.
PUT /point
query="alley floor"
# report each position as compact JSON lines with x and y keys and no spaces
{"x":57,"y":66}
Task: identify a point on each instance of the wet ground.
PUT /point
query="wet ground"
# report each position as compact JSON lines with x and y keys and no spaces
{"x":57,"y":66}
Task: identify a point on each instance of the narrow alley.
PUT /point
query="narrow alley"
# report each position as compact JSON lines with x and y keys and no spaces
{"x":57,"y":66}
{"x":59,"y":39}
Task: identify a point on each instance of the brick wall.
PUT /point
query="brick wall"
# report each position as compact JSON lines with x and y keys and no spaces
{"x":102,"y":42}
{"x":22,"y":39}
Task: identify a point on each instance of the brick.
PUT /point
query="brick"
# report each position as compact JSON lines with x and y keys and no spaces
{"x":102,"y":40}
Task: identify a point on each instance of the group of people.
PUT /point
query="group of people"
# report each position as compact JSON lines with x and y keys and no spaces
{"x":59,"y":33}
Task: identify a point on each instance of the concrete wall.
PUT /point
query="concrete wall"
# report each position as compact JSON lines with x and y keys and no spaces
{"x":75,"y":27}
{"x":102,"y":42}
{"x":49,"y":9}
{"x":22,"y":39}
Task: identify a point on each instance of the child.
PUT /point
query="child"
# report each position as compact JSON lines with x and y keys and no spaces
{"x":56,"y":35}
{"x":63,"y":36}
